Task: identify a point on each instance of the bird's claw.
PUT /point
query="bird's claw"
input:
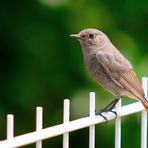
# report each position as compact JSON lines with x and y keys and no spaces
{"x":105,"y":118}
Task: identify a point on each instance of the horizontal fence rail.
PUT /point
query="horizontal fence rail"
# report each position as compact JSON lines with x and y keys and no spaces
{"x":68,"y":126}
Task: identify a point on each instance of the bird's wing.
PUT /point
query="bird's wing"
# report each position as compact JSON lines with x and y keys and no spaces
{"x":121,"y":72}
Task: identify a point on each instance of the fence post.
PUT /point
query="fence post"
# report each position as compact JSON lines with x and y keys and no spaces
{"x":39,"y":124}
{"x":118,"y":126}
{"x":10,"y":126}
{"x":66,"y":114}
{"x":92,"y":115}
{"x":144,"y":116}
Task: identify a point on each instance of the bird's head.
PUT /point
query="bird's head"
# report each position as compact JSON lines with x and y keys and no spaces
{"x":90,"y":38}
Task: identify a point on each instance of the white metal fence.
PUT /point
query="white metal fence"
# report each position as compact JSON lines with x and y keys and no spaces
{"x":68,"y":126}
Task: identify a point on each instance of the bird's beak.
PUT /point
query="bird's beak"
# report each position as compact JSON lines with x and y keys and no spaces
{"x":75,"y":36}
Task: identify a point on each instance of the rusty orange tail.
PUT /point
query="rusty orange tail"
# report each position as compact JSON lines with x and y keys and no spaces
{"x":145,"y":103}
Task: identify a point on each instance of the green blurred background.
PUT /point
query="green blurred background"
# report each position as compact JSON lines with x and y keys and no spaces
{"x":41,"y":66}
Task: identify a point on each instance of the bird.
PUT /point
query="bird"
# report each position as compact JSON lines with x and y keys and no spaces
{"x":109,"y":67}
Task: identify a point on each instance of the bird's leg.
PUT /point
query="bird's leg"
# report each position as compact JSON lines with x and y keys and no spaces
{"x":109,"y":108}
{"x":112,"y":106}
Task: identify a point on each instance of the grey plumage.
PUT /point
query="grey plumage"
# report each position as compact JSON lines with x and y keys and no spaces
{"x":108,"y":66}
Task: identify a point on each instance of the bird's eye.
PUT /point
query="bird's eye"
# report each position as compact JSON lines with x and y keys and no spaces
{"x":91,"y":35}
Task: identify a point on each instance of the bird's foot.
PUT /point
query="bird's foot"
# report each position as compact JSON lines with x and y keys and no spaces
{"x":105,"y":111}
{"x":100,"y":113}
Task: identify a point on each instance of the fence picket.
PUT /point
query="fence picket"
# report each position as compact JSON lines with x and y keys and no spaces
{"x":66,"y":115}
{"x":92,"y":115}
{"x":10,"y":126}
{"x":39,"y":124}
{"x":144,"y":116}
{"x":118,"y":126}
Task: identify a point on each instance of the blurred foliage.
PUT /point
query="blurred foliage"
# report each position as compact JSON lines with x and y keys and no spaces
{"x":40,"y":65}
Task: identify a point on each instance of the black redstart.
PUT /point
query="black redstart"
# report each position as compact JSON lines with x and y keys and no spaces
{"x":109,"y":67}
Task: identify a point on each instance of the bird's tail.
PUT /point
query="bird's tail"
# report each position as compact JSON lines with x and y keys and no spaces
{"x":145,"y":103}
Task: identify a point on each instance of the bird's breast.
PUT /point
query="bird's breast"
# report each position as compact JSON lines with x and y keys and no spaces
{"x":97,"y":72}
{"x":94,"y":67}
